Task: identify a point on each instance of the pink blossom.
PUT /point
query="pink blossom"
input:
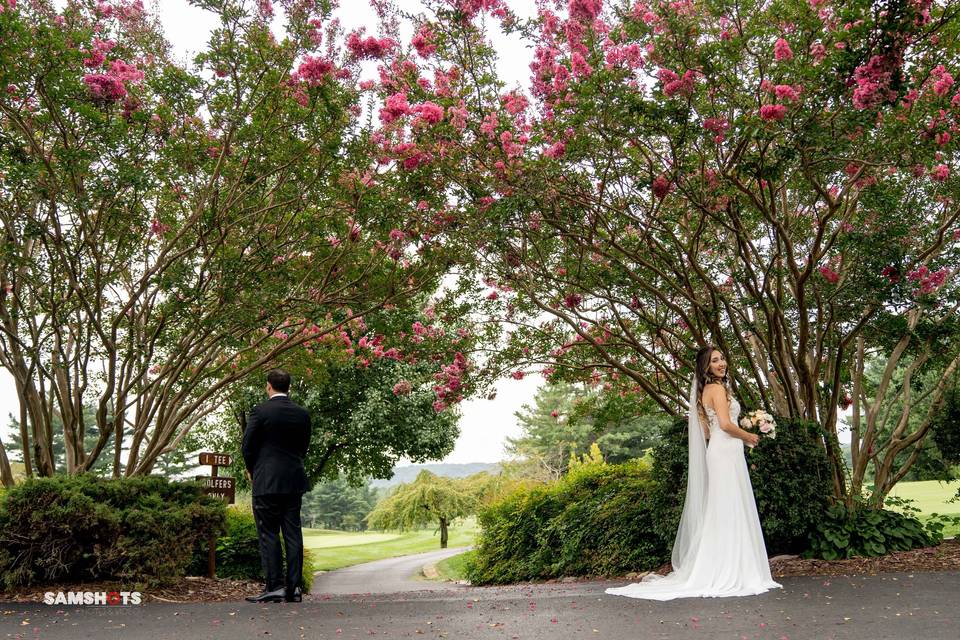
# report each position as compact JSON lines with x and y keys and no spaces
{"x":786,"y":92}
{"x":716,"y":125}
{"x":423,"y":41}
{"x":580,"y":67}
{"x":829,"y":275}
{"x":125,"y":72}
{"x":395,"y":107}
{"x":818,"y":52}
{"x":402,"y":388}
{"x":489,"y":125}
{"x":940,"y":172}
{"x":774,"y":112}
{"x":428,"y":112}
{"x":943,"y":81}
{"x":315,"y":31}
{"x":572,"y":300}
{"x":301,"y":97}
{"x":265,"y":8}
{"x":555,"y":150}
{"x":673,"y":84}
{"x":458,"y":116}
{"x":369,"y":47}
{"x":314,"y":70}
{"x":661,"y":187}
{"x":517,"y":375}
{"x":928,"y":281}
{"x":493,"y":295}
{"x":99,"y":52}
{"x":873,"y":83}
{"x":105,"y":88}
{"x":584,"y":10}
{"x":890,"y":272}
{"x":781,"y":50}
{"x":157,"y":228}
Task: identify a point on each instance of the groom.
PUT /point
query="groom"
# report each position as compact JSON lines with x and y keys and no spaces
{"x":275,"y":443}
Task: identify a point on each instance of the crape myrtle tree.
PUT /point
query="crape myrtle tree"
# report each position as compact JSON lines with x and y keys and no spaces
{"x":370,"y":404}
{"x":778,"y":179}
{"x":166,"y":230}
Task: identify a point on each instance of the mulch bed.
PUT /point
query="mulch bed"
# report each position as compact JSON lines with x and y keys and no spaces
{"x":945,"y":557}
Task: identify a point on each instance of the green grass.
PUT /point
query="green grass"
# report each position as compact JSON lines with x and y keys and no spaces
{"x":326,"y":539}
{"x":930,"y":496}
{"x":329,"y":553}
{"x":453,"y":568}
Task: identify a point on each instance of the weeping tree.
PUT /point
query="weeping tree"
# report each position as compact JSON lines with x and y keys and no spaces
{"x":777,"y":179}
{"x":429,"y":499}
{"x":165,"y":230}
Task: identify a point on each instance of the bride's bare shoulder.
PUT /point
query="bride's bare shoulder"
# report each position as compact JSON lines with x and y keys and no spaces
{"x":713,"y":391}
{"x":713,"y":388}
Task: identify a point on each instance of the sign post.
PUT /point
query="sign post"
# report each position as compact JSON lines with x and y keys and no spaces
{"x":224,"y":488}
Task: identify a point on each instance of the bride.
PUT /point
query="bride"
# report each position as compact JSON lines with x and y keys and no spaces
{"x":719,"y":549}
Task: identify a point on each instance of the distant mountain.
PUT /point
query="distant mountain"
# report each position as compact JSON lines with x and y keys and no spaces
{"x":406,"y":474}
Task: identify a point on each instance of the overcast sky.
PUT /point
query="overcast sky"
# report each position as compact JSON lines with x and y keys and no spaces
{"x":486,"y":423}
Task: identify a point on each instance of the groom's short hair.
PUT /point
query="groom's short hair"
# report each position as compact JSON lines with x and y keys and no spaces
{"x":279,"y":380}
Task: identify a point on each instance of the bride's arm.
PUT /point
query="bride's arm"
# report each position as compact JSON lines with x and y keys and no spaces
{"x":718,"y":397}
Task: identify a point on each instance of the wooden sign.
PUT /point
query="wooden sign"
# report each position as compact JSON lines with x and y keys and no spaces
{"x":219,"y":487}
{"x":223,"y":488}
{"x":215,"y":459}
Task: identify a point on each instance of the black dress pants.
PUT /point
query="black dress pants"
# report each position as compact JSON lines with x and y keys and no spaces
{"x":273,"y":513}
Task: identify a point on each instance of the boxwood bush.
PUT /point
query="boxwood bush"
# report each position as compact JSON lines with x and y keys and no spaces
{"x":79,"y":528}
{"x":597,"y":520}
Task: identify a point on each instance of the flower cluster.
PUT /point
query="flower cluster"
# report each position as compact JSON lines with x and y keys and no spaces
{"x":450,"y":382}
{"x":929,"y":281}
{"x":369,"y":47}
{"x":761,"y":420}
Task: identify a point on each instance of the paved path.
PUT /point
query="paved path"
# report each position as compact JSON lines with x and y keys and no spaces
{"x":392,"y":575}
{"x":891,"y":606}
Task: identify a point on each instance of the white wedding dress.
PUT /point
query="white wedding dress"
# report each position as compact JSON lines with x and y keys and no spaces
{"x":724,"y":555}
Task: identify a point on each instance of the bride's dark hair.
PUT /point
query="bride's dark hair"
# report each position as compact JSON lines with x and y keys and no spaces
{"x":704,"y":377}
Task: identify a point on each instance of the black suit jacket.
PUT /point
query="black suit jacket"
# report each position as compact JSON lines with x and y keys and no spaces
{"x":275,"y":444}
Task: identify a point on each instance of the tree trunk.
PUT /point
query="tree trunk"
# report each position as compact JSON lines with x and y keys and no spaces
{"x":443,"y":533}
{"x":6,"y":473}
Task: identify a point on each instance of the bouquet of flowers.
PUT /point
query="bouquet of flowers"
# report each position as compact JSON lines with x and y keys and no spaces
{"x":762,"y":421}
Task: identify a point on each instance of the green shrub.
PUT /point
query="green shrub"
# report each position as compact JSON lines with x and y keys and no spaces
{"x":790,"y":477}
{"x":597,"y":520}
{"x":238,"y":550}
{"x":75,"y":528}
{"x":864,"y":531}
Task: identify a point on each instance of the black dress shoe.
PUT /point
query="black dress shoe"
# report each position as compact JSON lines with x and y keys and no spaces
{"x":276,"y":595}
{"x":296,"y":596}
